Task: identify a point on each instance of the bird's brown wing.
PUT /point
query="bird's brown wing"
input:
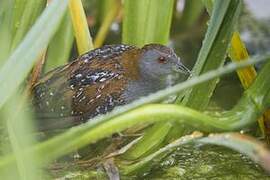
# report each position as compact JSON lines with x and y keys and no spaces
{"x":79,"y":90}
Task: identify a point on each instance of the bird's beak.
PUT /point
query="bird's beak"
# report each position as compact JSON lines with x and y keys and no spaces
{"x":180,"y":68}
{"x":183,"y":69}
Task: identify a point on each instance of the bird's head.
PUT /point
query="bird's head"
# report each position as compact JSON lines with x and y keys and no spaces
{"x":158,"y":62}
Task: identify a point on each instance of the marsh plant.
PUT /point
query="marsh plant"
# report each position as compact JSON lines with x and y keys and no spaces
{"x":38,"y":36}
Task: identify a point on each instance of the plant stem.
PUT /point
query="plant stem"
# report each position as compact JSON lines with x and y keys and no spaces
{"x":81,"y":30}
{"x":106,"y":23}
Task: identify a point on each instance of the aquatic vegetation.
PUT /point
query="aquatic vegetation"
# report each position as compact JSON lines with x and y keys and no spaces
{"x":133,"y":139}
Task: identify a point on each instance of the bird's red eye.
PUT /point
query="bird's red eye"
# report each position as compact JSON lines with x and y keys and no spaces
{"x":162,"y":60}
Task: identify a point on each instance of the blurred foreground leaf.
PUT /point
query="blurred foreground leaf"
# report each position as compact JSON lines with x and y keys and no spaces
{"x":61,"y":44}
{"x":25,"y":15}
{"x":19,"y":127}
{"x":24,"y":57}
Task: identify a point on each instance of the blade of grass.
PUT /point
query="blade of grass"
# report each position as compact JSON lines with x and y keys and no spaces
{"x":3,"y":6}
{"x":150,"y":142}
{"x":213,"y":52}
{"x":104,"y":7}
{"x":147,"y":21}
{"x":81,"y":30}
{"x":61,"y":44}
{"x":19,"y":127}
{"x":191,"y":13}
{"x":28,"y":11}
{"x":238,"y":52}
{"x":19,"y":7}
{"x":24,"y":15}
{"x":37,"y":69}
{"x":39,"y":7}
{"x":6,"y":7}
{"x":104,"y":125}
{"x":24,"y":57}
{"x":107,"y":22}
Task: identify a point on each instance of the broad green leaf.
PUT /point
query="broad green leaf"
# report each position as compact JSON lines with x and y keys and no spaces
{"x":147,"y":21}
{"x":237,"y":52}
{"x":213,"y":52}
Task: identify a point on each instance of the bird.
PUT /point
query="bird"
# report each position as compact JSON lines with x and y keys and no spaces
{"x":101,"y":79}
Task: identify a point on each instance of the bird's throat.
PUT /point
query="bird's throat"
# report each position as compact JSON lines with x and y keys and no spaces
{"x":143,"y":87}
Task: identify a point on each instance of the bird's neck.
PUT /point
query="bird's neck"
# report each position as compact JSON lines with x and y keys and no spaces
{"x":142,"y":87}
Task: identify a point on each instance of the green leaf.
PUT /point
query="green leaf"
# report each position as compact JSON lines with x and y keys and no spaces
{"x":154,"y":137}
{"x":104,"y":6}
{"x":80,"y":26}
{"x":192,"y":11}
{"x":107,"y":22}
{"x":24,"y":57}
{"x":61,"y":44}
{"x":19,"y":126}
{"x":147,"y":21}
{"x":25,"y":14}
{"x":213,"y":52}
{"x":6,"y":7}
{"x":18,"y":8}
